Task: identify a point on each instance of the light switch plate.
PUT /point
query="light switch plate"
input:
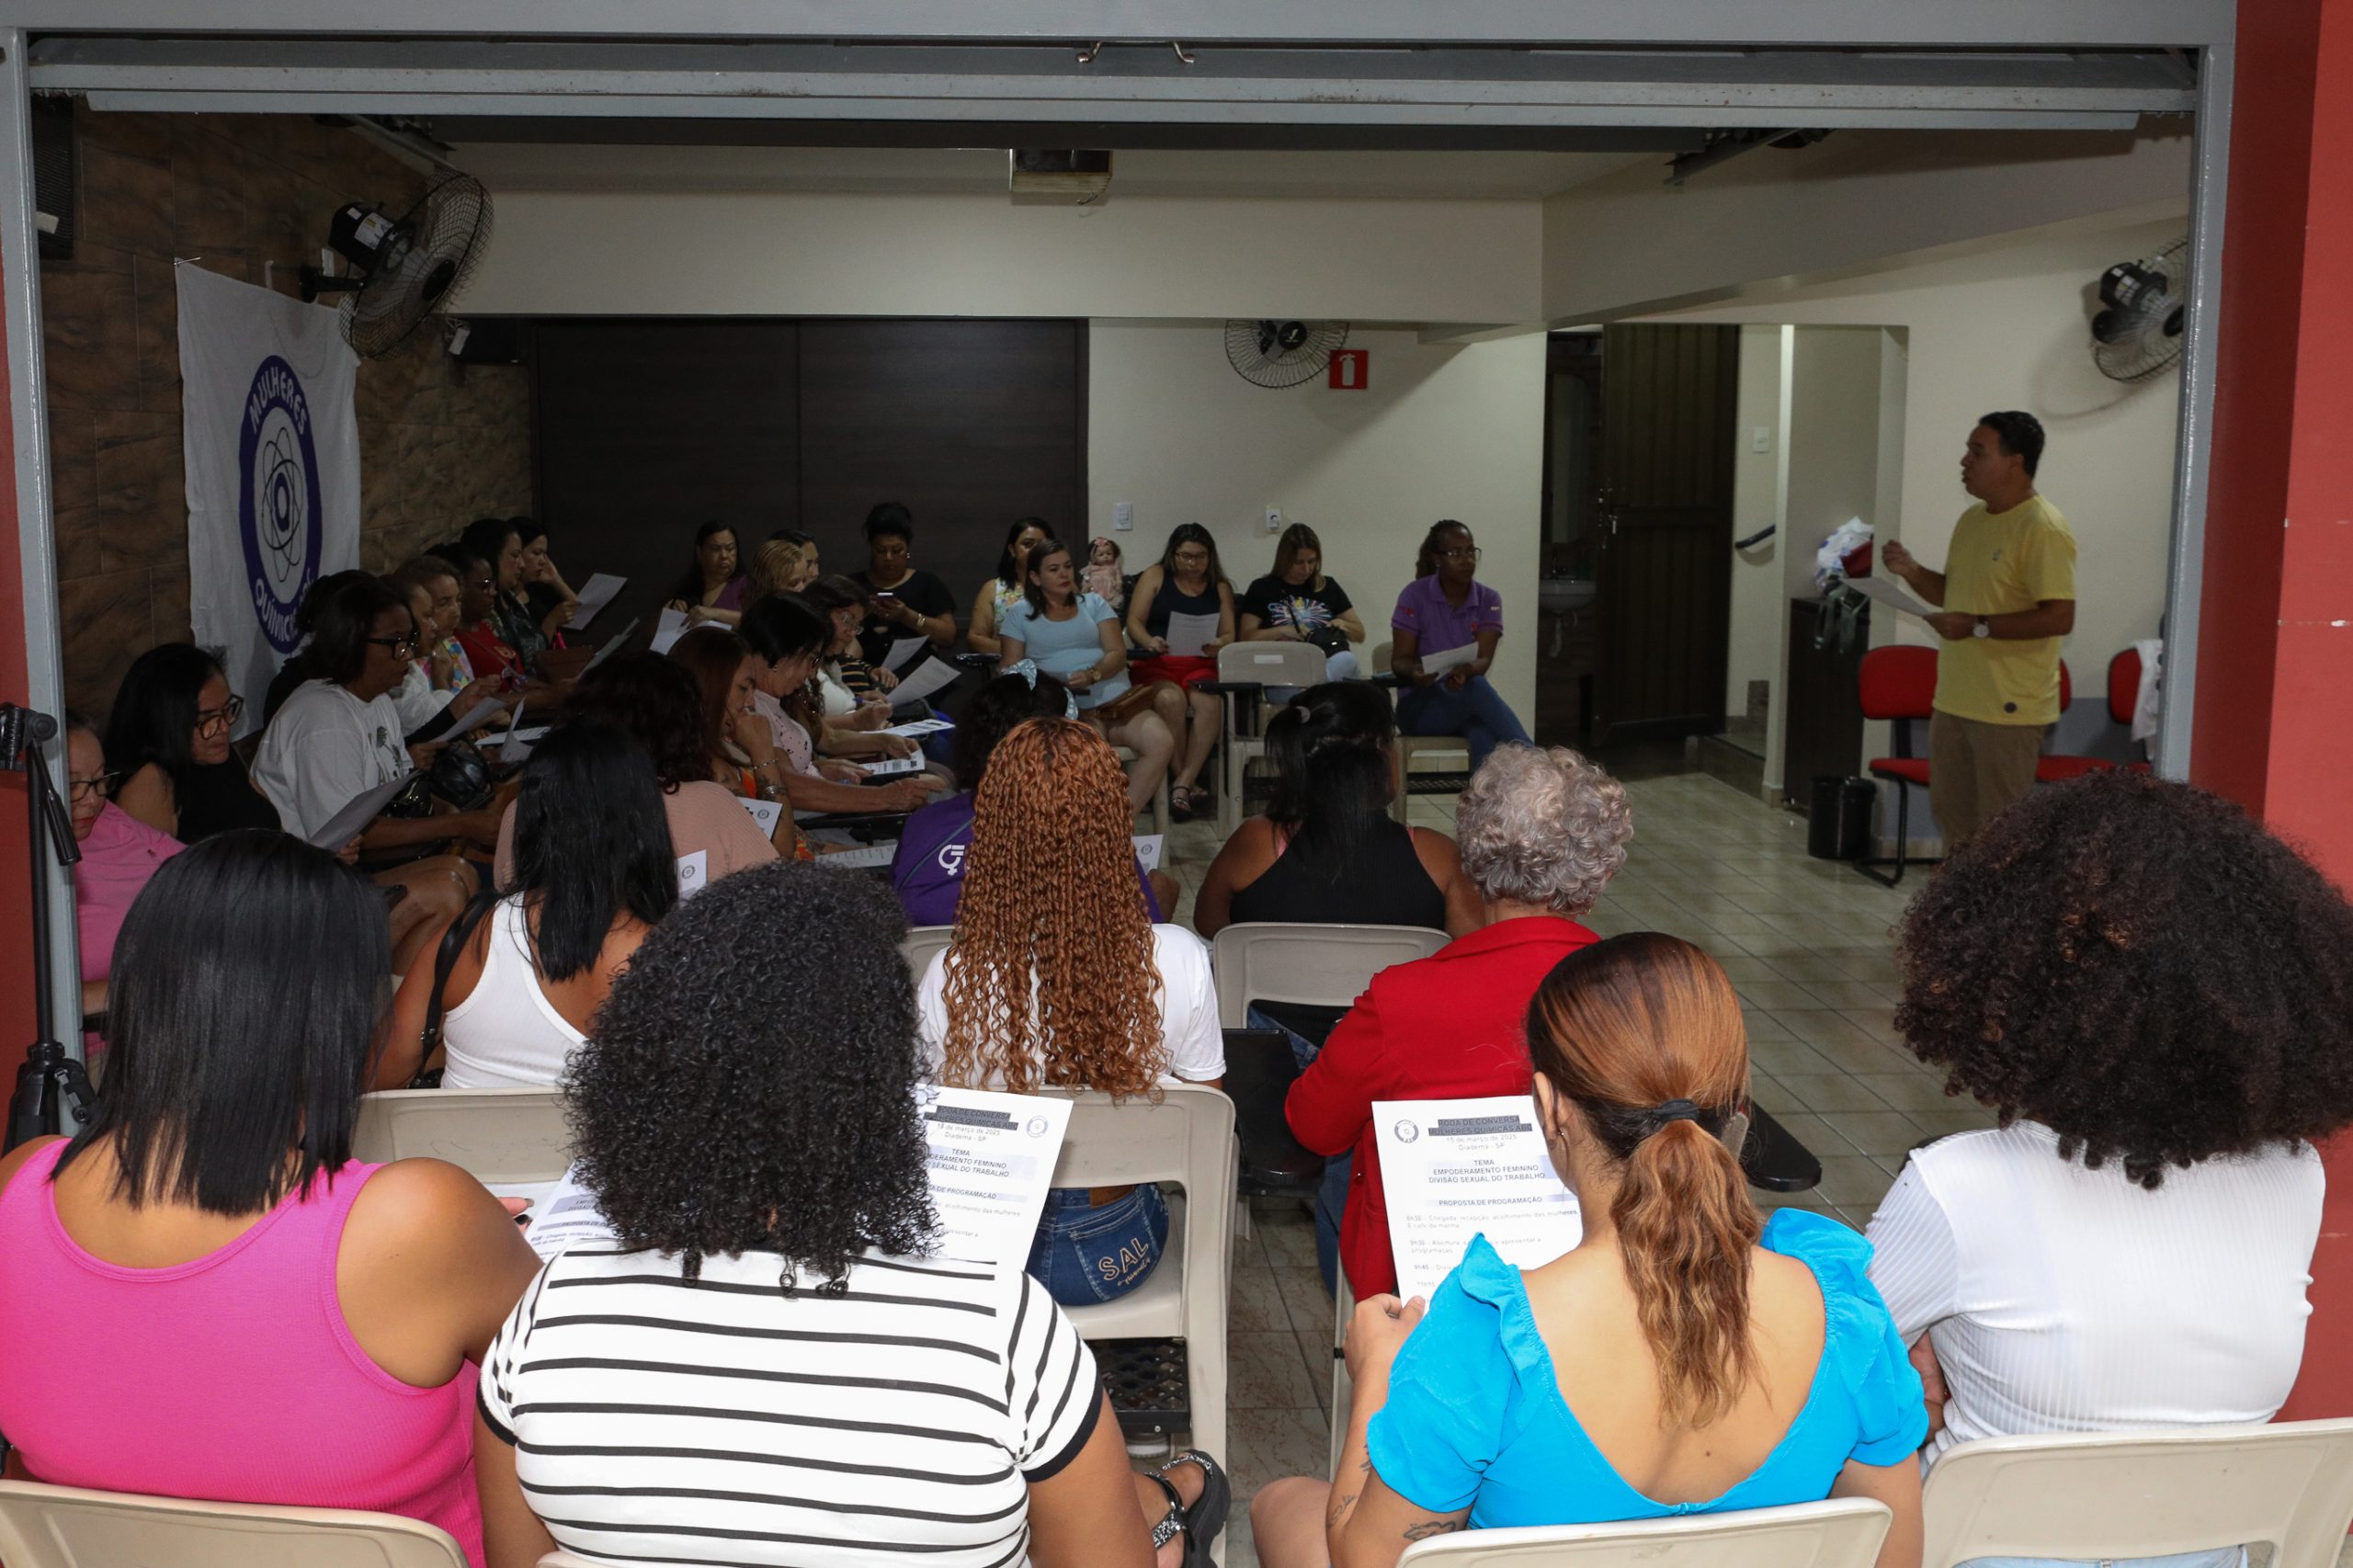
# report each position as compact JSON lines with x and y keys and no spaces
{"x":1123,"y":516}
{"x":1274,"y":520}
{"x":1761,"y":440}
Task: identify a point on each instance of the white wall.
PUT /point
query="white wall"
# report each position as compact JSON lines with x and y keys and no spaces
{"x":1757,"y":502}
{"x":1443,"y":431}
{"x":732,"y":253}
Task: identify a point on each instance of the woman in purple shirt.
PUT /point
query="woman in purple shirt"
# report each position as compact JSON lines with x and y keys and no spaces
{"x":1446,"y":608}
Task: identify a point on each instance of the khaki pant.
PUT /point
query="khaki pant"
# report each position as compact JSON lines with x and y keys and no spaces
{"x":1976,"y":769}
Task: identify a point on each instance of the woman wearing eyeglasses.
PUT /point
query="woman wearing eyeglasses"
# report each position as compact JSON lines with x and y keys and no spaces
{"x":167,"y":737}
{"x":1443,"y":611}
{"x":120,"y":852}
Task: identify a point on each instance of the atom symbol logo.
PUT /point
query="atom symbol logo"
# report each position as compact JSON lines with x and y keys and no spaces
{"x":284,"y":508}
{"x":280,"y":515}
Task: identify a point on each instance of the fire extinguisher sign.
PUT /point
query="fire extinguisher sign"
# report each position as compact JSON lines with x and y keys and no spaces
{"x":1349,"y":368}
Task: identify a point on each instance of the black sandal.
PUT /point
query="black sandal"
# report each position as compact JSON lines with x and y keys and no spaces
{"x":1200,"y":1522}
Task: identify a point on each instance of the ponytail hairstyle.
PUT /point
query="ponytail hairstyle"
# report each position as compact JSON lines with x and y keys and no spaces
{"x":1332,"y":750}
{"x":1643,"y":1034}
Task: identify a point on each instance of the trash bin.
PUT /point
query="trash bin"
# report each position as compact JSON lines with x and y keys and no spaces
{"x":1838,"y":827}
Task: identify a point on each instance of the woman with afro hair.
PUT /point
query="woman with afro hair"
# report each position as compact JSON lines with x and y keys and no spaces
{"x":2156,"y":996}
{"x":1057,"y":975}
{"x":770,"y":1365}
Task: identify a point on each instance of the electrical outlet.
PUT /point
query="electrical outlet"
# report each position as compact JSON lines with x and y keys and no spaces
{"x":1761,"y":438}
{"x":1123,"y":516}
{"x":1274,"y":520}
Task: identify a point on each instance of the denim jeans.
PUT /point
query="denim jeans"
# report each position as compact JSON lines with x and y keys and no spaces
{"x":1478,"y":713}
{"x":1084,"y":1255}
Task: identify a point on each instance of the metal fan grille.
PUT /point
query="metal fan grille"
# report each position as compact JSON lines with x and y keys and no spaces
{"x":451,"y":224}
{"x":2155,"y":342}
{"x":1277,"y":353}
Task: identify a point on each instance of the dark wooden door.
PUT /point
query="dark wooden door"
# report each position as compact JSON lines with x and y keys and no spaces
{"x":1665,"y":527}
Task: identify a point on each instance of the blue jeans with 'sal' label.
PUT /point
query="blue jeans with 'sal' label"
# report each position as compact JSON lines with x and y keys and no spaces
{"x":1085,"y":1255}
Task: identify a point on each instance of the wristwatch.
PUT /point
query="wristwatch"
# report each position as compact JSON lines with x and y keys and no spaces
{"x":1984,"y":628}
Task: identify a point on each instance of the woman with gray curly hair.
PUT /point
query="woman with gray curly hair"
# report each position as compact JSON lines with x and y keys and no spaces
{"x":1542,"y":831}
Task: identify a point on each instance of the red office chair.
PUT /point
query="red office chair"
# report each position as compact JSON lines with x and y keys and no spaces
{"x":1898,"y":685}
{"x":2123,"y":696}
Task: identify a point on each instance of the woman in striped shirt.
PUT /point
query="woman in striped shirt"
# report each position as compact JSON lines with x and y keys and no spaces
{"x":768,"y":1366}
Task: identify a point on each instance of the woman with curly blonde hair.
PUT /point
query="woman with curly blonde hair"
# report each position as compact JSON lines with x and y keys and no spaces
{"x":1057,"y":977}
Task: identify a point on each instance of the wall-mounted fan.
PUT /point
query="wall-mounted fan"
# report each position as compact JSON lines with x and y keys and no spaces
{"x":1282,"y":353}
{"x":2138,"y":332}
{"x":407,"y":268}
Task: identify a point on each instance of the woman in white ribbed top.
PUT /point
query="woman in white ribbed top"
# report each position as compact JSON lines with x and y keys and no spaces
{"x":592,"y":869}
{"x":2157,"y":995}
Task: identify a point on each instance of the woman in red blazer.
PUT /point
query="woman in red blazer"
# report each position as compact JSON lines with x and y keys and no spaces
{"x":1541,"y":831}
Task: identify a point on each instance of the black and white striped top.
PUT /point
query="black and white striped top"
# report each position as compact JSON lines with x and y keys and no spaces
{"x":717,"y":1421}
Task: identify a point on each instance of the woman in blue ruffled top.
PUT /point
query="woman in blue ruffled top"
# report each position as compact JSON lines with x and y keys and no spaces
{"x":1682,"y":1358}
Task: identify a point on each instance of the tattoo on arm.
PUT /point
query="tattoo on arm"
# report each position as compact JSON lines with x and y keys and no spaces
{"x":1429,"y":1527}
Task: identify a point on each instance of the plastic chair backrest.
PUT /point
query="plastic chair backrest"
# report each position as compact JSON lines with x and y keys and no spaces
{"x":1381,"y":652}
{"x":1897,"y":682}
{"x":2124,"y":685}
{"x":1186,"y":1136}
{"x":1842,"y":1533}
{"x":497,"y":1135}
{"x":1272,"y":663}
{"x":922,"y":942}
{"x":1320,"y":965}
{"x":68,"y":1527}
{"x":2114,"y":1494}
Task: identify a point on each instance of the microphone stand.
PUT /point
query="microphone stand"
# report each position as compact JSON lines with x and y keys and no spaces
{"x":50,"y":1080}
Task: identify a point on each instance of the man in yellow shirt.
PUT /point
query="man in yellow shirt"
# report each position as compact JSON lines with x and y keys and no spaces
{"x":2008,"y":594}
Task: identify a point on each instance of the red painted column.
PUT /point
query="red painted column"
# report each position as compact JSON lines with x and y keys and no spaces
{"x":2275,"y":667}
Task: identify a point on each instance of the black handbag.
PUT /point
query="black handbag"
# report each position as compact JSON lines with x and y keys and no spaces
{"x":459,"y":778}
{"x":445,"y":958}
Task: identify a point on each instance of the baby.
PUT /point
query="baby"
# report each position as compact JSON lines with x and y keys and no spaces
{"x":1104,"y":574}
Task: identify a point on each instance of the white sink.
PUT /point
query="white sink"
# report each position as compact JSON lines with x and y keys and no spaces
{"x":1565,"y":596}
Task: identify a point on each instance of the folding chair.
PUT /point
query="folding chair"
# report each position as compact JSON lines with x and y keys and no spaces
{"x":921,"y":943}
{"x":1409,"y":747}
{"x":1843,"y":1532}
{"x":1244,"y":671}
{"x":2112,"y":1494}
{"x":507,"y":1136}
{"x":1184,"y":1138}
{"x":1325,"y":966}
{"x":72,"y":1526}
{"x":1899,"y":684}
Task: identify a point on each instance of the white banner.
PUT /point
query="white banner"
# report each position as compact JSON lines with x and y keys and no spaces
{"x":272,"y":438}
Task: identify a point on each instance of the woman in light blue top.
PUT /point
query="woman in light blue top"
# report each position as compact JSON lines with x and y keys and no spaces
{"x":1075,"y":637}
{"x":1679,"y":1359}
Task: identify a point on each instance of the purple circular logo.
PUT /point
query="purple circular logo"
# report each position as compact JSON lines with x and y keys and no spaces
{"x":280,"y":518}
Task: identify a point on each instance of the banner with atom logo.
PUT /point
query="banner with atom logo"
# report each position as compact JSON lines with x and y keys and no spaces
{"x":272,"y":435}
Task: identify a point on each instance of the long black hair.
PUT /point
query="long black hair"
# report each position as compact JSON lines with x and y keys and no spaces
{"x":591,"y":841}
{"x":248,"y":986}
{"x":656,"y":703}
{"x":1331,"y":746}
{"x":343,"y":621}
{"x":1189,"y":533}
{"x":1005,"y":701}
{"x":153,"y":717}
{"x":689,"y":585}
{"x":784,"y":626}
{"x":1005,"y":570}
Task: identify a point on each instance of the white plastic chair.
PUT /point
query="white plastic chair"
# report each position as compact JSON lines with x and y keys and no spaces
{"x":2110,"y":1495}
{"x":1267,"y":664}
{"x":497,"y":1135}
{"x":1327,"y":966}
{"x":1186,"y":1139}
{"x":1844,"y":1532}
{"x":70,"y":1526}
{"x":1412,"y":746}
{"x":921,"y":943}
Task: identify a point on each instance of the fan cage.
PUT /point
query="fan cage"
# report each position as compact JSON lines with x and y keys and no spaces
{"x":1279,"y":367}
{"x":2150,"y":350}
{"x":452,"y":223}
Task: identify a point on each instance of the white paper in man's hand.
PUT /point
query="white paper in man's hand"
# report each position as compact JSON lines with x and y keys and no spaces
{"x":1884,"y":590}
{"x":594,"y":595}
{"x":668,"y":630}
{"x":932,"y":674}
{"x":1445,"y":659}
{"x":1189,"y":635}
{"x":357,"y":813}
{"x":1454,"y":1169}
{"x":992,"y":1159}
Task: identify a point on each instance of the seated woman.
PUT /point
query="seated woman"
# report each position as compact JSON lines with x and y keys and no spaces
{"x":774,"y":568}
{"x":712,"y":587}
{"x":1075,"y":637}
{"x":119,"y":856}
{"x":655,"y":702}
{"x":1446,"y":609}
{"x":1675,"y":1361}
{"x":594,"y":868}
{"x":850,"y":689}
{"x":431,"y":697}
{"x":480,"y":636}
{"x":168,"y":736}
{"x":1056,"y":975}
{"x":905,"y":600}
{"x":1542,"y":832}
{"x":2132,"y":1248}
{"x":1296,"y":603}
{"x":1007,"y":589}
{"x":499,"y":540}
{"x":832,"y":1392}
{"x":781,"y":642}
{"x":545,"y":599}
{"x":256,"y":1287}
{"x":1186,"y":581}
{"x":928,"y":869}
{"x":1328,"y":851}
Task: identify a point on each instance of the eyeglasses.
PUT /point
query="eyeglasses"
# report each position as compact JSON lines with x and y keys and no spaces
{"x":1462,"y":552}
{"x":212,"y":720}
{"x":80,"y":790}
{"x":401,"y":647}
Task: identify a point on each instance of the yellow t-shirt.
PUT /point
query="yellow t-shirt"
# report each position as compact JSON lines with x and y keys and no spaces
{"x":1999,"y":563}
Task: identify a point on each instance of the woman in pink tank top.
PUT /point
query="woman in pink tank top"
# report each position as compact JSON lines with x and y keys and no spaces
{"x":255,"y":1316}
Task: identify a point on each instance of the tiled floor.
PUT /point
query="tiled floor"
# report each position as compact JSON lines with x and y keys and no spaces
{"x":1808,"y":945}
